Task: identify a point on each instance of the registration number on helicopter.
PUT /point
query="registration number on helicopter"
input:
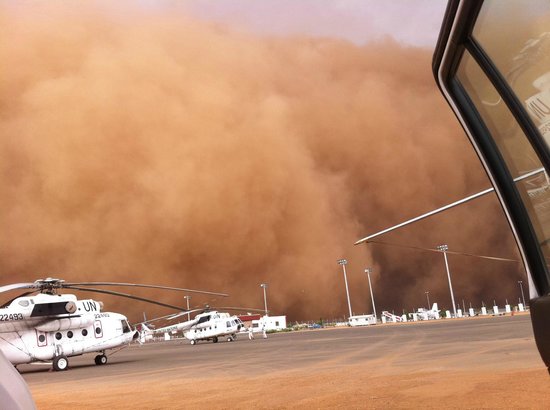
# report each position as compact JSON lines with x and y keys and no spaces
{"x":11,"y":316}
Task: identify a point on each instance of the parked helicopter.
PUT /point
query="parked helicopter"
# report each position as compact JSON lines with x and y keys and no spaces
{"x":207,"y":325}
{"x":51,"y":326}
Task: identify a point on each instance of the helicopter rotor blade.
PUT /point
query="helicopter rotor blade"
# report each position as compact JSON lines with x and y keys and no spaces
{"x":173,"y":315}
{"x":242,"y":309}
{"x":202,"y":310}
{"x":176,"y":315}
{"x":139,"y":285}
{"x":156,"y":319}
{"x":124,"y":295}
{"x":208,"y":308}
{"x":14,"y":286}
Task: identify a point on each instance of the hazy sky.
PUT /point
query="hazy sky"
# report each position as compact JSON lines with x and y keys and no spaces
{"x":360,"y":21}
{"x":179,"y":143}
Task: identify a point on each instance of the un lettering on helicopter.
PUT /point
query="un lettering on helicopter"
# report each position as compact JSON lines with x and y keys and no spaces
{"x":54,"y":327}
{"x":49,"y":326}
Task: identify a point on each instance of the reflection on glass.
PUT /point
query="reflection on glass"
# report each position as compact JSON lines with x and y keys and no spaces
{"x":516,"y":36}
{"x":516,"y":150}
{"x":513,"y":146}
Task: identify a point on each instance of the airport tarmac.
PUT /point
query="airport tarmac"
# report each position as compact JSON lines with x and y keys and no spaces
{"x":467,"y":363}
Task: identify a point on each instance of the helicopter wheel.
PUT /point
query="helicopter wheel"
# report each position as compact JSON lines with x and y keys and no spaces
{"x":193,"y":342}
{"x":229,"y":339}
{"x":100,"y":359}
{"x":60,"y":363}
{"x":215,"y":339}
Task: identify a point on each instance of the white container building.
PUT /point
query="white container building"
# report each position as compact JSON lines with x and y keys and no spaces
{"x":362,"y":320}
{"x":269,"y":323}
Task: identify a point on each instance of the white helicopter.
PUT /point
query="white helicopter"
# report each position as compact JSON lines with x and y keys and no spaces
{"x":208,"y":325}
{"x":51,"y":326}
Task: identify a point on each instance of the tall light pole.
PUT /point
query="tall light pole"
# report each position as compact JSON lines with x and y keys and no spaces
{"x":522,"y":295}
{"x":344,"y":262}
{"x":188,"y":313}
{"x":428,"y":298}
{"x":264,"y":285}
{"x":368,"y":271}
{"x":444,"y":249}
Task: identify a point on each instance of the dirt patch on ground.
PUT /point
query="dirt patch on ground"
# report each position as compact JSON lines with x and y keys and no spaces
{"x":347,"y":388}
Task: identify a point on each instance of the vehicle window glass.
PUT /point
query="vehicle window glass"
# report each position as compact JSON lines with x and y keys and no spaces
{"x":516,"y":36}
{"x":204,"y":319}
{"x":513,"y":145}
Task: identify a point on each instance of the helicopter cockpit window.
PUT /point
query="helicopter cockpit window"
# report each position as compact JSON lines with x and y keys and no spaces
{"x":203,"y":319}
{"x":521,"y":56}
{"x":492,"y":63}
{"x":125,"y":326}
{"x":521,"y":53}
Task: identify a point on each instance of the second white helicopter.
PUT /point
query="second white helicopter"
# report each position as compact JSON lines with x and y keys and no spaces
{"x":210,"y":325}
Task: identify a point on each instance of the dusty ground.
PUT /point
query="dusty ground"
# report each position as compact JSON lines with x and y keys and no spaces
{"x":345,"y":389}
{"x":477,"y":364}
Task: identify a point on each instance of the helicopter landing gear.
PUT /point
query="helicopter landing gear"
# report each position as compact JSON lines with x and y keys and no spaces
{"x":231,"y":338}
{"x":60,"y":363}
{"x":100,"y":359}
{"x":215,"y":339}
{"x":193,"y":342}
